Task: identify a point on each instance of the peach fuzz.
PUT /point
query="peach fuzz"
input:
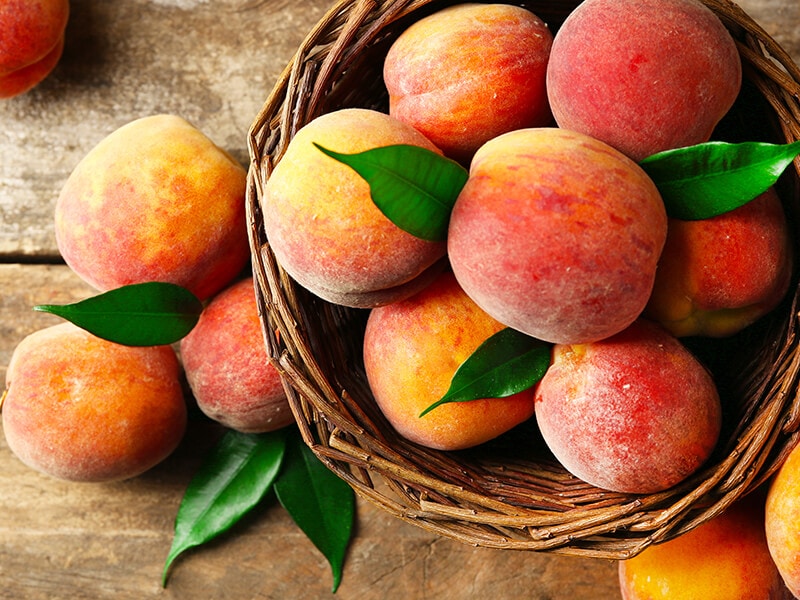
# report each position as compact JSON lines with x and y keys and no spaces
{"x":782,"y":520}
{"x":716,"y":276}
{"x":634,"y":413}
{"x":643,"y":75}
{"x":81,"y":408}
{"x":413,"y":347}
{"x":323,"y":226}
{"x":156,"y":200}
{"x":31,"y":44}
{"x":468,"y":73}
{"x":557,"y":235}
{"x":226,"y":364}
{"x":725,"y":558}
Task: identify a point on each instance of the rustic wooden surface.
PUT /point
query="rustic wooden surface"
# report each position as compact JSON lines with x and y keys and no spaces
{"x":212,"y":62}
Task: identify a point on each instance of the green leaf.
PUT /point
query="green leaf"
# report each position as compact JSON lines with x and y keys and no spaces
{"x":231,"y":481}
{"x":414,"y":187}
{"x":506,"y":363}
{"x":706,"y":180}
{"x":321,"y":504}
{"x":141,"y":314}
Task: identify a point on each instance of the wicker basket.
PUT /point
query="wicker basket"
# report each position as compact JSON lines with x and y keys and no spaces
{"x":487,"y":496}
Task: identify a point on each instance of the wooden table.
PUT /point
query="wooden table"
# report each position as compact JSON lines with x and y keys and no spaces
{"x":212,"y":63}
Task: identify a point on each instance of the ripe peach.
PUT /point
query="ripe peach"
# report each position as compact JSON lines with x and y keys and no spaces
{"x":413,"y":347}
{"x":156,"y":200}
{"x":557,"y":235}
{"x":323,"y":226}
{"x":32,"y":42}
{"x":716,"y":276}
{"x":643,"y":75}
{"x":225,"y":361}
{"x":468,"y":73}
{"x":634,"y":413}
{"x":81,"y":408}
{"x":725,"y":558}
{"x":782,"y":516}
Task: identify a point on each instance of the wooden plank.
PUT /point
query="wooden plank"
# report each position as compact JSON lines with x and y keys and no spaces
{"x":780,"y":19}
{"x":212,"y":63}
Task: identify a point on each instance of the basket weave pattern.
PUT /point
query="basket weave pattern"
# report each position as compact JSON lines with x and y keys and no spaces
{"x":490,"y":497}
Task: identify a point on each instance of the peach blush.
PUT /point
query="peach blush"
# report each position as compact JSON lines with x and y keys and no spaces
{"x":634,"y":413}
{"x":643,"y":75}
{"x":226,"y":365}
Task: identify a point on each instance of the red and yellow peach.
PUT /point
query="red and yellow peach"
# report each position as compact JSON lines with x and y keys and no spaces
{"x":31,"y":44}
{"x":557,"y":234}
{"x":156,"y":200}
{"x":81,"y":408}
{"x":782,"y":516}
{"x":725,"y":558}
{"x":323,"y":226}
{"x":716,"y":276}
{"x":468,"y":73}
{"x":413,"y":347}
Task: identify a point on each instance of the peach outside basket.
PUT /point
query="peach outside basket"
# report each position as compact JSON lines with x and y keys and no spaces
{"x":487,"y":496}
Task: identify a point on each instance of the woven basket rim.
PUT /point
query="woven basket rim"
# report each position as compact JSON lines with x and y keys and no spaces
{"x":482,"y":501}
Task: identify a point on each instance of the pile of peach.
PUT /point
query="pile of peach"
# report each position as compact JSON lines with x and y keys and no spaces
{"x":558,"y":232}
{"x":156,"y":200}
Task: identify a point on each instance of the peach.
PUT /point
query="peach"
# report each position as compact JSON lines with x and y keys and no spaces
{"x":323,"y":226}
{"x":226,"y":365}
{"x":782,"y":520}
{"x":634,"y":413}
{"x":156,"y":200}
{"x":413,"y":347}
{"x":468,"y":73}
{"x":557,"y":234}
{"x":716,"y":276}
{"x":725,"y":558}
{"x":31,"y":44}
{"x":81,"y":408}
{"x":643,"y":75}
